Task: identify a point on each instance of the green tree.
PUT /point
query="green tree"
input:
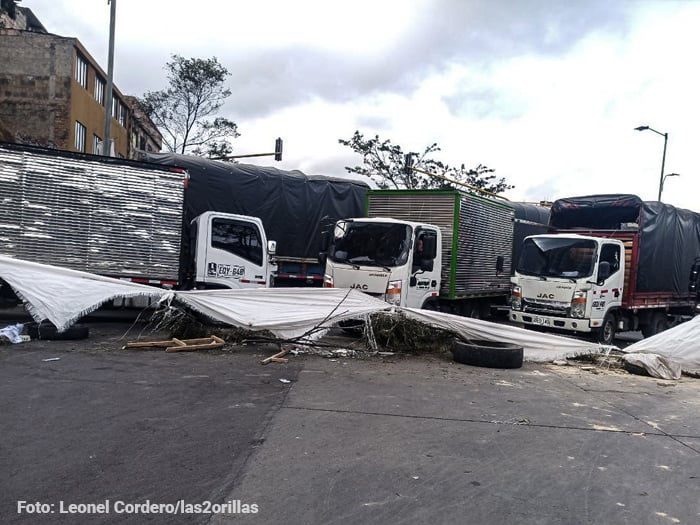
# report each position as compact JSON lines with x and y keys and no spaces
{"x":184,"y":111}
{"x":385,"y":163}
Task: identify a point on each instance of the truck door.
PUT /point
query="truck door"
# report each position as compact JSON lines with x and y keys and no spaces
{"x":231,"y":252}
{"x":611,"y":278}
{"x":424,"y":281}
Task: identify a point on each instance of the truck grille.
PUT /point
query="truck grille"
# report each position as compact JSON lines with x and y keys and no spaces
{"x":549,"y":308}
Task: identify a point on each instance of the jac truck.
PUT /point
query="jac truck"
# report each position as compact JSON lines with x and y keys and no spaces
{"x":613,"y":263}
{"x":160,"y":224}
{"x":444,"y":250}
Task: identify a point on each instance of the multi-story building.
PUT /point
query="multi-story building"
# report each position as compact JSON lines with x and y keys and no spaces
{"x":53,"y":93}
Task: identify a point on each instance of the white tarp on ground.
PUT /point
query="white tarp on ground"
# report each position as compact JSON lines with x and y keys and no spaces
{"x":537,"y":346}
{"x":63,"y":296}
{"x":680,"y":344}
{"x":285,"y":312}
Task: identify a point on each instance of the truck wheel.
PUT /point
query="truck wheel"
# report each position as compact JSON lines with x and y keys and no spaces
{"x":431,"y":305}
{"x":657,"y":323}
{"x":606,"y":332}
{"x":354,"y":327}
{"x":488,"y":354}
{"x":634,"y":369}
{"x":8,"y":299}
{"x":47,"y":331}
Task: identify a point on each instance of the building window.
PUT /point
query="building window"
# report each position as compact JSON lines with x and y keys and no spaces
{"x":81,"y":70}
{"x":122,"y":114}
{"x":100,"y":90}
{"x":80,"y":134}
{"x":96,"y":145}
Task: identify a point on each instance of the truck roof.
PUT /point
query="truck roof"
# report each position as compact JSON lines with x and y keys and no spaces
{"x":394,"y":221}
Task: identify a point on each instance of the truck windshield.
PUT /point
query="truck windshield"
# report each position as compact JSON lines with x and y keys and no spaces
{"x":370,"y":243}
{"x":557,"y":257}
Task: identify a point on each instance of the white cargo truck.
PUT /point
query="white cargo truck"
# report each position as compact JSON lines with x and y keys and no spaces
{"x":123,"y":219}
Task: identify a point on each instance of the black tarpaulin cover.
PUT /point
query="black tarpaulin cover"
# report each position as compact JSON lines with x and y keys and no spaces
{"x":598,"y":212}
{"x":292,"y":205}
{"x":669,"y":236}
{"x":530,"y":219}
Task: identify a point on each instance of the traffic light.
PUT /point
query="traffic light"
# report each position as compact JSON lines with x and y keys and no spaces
{"x":408,"y":163}
{"x":278,"y":149}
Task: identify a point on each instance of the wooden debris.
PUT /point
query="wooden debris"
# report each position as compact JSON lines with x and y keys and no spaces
{"x":181,"y":345}
{"x":277,"y":358}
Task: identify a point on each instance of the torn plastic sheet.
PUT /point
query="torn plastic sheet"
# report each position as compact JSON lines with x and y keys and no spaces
{"x":63,"y":296}
{"x":656,"y":365}
{"x":286,"y":312}
{"x":537,"y":346}
{"x":680,"y":344}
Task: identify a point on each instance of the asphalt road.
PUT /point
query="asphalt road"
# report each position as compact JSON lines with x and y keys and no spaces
{"x":399,"y":439}
{"x":102,"y":423}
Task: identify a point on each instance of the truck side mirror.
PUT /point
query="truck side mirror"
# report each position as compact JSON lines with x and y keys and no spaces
{"x":325,"y":240}
{"x":322,"y":256}
{"x":500,"y":264}
{"x":430,"y":246}
{"x":693,"y":278}
{"x":271,"y":247}
{"x":603,"y":271}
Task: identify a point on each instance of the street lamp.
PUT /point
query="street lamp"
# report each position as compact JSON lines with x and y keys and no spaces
{"x":663,"y":158}
{"x":663,"y":181}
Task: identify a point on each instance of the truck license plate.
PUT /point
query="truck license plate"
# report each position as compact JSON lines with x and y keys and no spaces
{"x":542,"y":321}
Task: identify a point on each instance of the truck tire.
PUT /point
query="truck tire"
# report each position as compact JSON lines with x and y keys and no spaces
{"x":634,"y":369}
{"x":47,"y":331}
{"x":606,"y":332}
{"x":8,"y":299}
{"x":488,"y":354}
{"x":657,"y":323}
{"x":353,"y":327}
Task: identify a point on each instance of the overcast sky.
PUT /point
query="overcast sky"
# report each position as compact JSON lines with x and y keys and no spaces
{"x":547,"y":93}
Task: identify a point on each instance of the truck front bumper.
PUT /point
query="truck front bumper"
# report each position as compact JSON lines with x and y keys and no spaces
{"x":546,"y":321}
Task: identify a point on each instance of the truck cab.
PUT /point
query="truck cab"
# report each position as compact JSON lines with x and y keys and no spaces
{"x":232,"y":251}
{"x":398,"y":261}
{"x":569,"y":282}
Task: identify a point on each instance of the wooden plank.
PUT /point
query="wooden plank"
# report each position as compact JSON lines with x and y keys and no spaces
{"x":273,"y":358}
{"x":174,"y":344}
{"x":147,"y":344}
{"x":203,"y":346}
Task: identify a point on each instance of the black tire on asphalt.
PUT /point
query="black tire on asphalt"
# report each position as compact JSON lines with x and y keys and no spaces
{"x":635,"y":369}
{"x":431,"y":305}
{"x":657,"y":323}
{"x":8,"y":299}
{"x":606,"y":332}
{"x":47,"y":331}
{"x":488,"y":354}
{"x":354,"y":327}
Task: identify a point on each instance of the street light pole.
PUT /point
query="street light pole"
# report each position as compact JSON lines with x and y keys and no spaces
{"x":663,"y":158}
{"x":110,"y":75}
{"x":663,"y":161}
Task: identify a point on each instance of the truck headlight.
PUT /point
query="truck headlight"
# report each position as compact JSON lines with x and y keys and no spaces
{"x":393,"y":293}
{"x":327,"y":281}
{"x":578,"y":304}
{"x":516,"y":298}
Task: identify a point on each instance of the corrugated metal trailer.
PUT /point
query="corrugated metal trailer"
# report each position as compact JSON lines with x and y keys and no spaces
{"x":100,"y":215}
{"x":476,"y":232}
